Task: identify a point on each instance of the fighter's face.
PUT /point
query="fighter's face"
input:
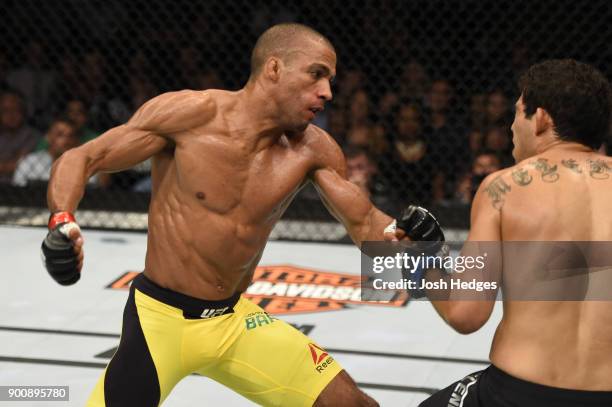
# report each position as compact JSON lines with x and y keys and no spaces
{"x":305,"y":84}
{"x":523,"y":133}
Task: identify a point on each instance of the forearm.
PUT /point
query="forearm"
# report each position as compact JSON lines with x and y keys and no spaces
{"x":67,"y":183}
{"x":370,"y":227}
{"x":464,"y":311}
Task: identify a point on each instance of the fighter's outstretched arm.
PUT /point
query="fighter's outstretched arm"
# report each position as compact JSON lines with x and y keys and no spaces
{"x":462,"y":314}
{"x":345,"y":200}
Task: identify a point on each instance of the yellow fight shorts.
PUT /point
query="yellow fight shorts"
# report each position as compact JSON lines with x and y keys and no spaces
{"x":167,"y":336}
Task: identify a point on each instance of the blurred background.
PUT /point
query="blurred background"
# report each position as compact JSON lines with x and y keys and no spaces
{"x":422,"y":105}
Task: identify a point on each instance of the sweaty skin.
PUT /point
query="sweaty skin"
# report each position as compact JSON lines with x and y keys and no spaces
{"x":220,"y":183}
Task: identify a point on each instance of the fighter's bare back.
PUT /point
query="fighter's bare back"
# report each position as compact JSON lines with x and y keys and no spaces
{"x":560,"y":195}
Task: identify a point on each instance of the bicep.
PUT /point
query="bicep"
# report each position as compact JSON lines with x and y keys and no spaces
{"x":485,"y":215}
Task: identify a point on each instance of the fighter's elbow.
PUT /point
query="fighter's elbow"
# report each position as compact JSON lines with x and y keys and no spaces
{"x":464,"y":322}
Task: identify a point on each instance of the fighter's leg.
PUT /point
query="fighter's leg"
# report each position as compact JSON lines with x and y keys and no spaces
{"x":462,"y":393}
{"x":342,"y":391}
{"x":146,"y":365}
{"x":273,"y":364}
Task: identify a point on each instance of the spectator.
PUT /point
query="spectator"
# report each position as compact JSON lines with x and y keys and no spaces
{"x":119,"y":110}
{"x":486,"y":162}
{"x":359,"y":110}
{"x":478,"y":111}
{"x":349,"y":83}
{"x":449,"y":144}
{"x":498,"y":139}
{"x":477,"y":121}
{"x":36,"y":166}
{"x":34,"y":82}
{"x":414,"y":82}
{"x":16,"y":138}
{"x":369,"y":137}
{"x":76,"y":111}
{"x":70,"y":84}
{"x":498,"y":109}
{"x":336,"y":124}
{"x":362,"y":171}
{"x":409,"y":164}
{"x":362,"y":127}
{"x":411,"y":89}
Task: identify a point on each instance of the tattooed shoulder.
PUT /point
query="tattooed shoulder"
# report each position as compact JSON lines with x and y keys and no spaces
{"x":572,"y":165}
{"x":599,"y":169}
{"x":521,"y":177}
{"x":496,"y":191}
{"x":548,"y":172}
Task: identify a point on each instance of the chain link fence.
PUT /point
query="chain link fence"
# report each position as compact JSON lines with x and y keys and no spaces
{"x":422,"y":104}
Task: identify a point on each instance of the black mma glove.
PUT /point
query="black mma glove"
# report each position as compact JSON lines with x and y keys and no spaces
{"x":58,"y":251}
{"x":421,"y":226}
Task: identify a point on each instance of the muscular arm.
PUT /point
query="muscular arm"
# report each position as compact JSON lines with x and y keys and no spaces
{"x":148,"y":132}
{"x":467,"y":316}
{"x":363,"y":221}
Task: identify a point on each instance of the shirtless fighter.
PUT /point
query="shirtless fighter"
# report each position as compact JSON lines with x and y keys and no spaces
{"x":544,"y":353}
{"x":225,"y":167}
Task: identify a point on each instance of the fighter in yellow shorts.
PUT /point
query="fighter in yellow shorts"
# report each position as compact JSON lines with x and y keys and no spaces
{"x":225,"y":167}
{"x":238,"y":345}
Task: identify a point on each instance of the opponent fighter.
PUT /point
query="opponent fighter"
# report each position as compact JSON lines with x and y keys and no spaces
{"x":225,"y":167}
{"x":544,"y":353}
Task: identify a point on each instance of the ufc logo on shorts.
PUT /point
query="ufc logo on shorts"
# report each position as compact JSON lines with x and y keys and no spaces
{"x":213,"y":312}
{"x":461,"y":391}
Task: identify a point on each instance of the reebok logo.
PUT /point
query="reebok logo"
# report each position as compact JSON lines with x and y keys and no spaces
{"x":320,"y":358}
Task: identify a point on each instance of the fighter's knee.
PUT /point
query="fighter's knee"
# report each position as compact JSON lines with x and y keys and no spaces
{"x":342,"y":391}
{"x":353,"y":399}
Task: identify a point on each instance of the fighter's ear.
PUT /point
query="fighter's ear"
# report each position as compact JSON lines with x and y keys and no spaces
{"x":272,"y":68}
{"x":543,"y":121}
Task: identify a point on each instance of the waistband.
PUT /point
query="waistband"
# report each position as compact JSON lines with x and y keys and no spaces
{"x":193,"y":308}
{"x":545,"y":395}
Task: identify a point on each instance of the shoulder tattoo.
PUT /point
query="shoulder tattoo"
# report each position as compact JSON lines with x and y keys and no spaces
{"x":572,"y":165}
{"x":521,"y":177}
{"x":599,"y":169}
{"x":548,"y":172}
{"x":496,"y":191}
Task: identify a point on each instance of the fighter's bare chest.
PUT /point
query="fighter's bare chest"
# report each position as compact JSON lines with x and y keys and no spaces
{"x":221,"y":176}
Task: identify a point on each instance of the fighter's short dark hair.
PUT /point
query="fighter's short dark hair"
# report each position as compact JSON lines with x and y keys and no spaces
{"x":280,"y":40}
{"x":576,"y":96}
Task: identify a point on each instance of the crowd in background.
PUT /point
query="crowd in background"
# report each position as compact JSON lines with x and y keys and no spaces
{"x":417,"y":141}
